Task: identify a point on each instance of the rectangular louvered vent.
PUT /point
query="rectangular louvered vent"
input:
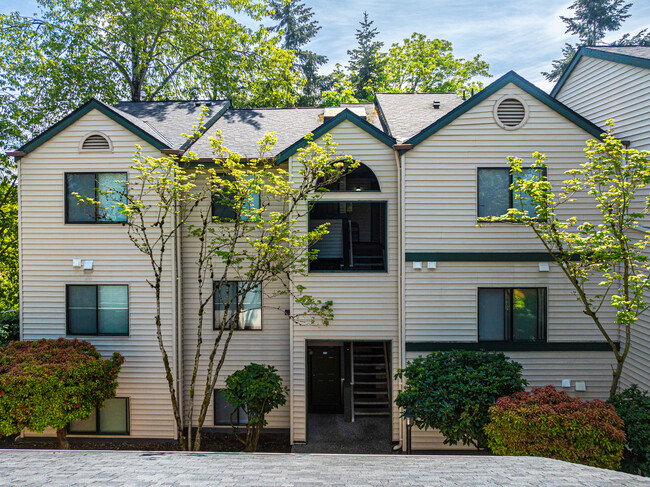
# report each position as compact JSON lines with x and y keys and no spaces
{"x":511,"y":112}
{"x":95,"y":142}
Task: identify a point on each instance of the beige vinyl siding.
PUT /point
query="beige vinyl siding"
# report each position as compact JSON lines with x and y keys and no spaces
{"x":441,"y":176}
{"x":269,"y":346}
{"x":600,"y":90}
{"x":365,"y":303}
{"x":49,"y":245}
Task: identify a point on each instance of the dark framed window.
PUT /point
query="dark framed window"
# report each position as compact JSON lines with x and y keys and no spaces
{"x":222,"y":204}
{"x":223,"y":409}
{"x":226,"y":300}
{"x":359,"y":179}
{"x":97,"y":309}
{"x":512,"y":314}
{"x":356,"y":238}
{"x":95,"y":185}
{"x":112,"y":419}
{"x":494,"y":195}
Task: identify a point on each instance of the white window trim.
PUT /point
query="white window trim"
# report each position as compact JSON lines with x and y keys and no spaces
{"x":102,"y":134}
{"x":526,"y":112}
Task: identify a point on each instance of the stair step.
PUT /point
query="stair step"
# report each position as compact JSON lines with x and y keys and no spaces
{"x":372,"y":413}
{"x":371,"y":403}
{"x":375,"y":393}
{"x":369,"y":373}
{"x":368,"y":355}
{"x":366,"y":383}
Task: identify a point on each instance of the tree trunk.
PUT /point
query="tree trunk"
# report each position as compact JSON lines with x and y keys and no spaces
{"x":616,"y":377}
{"x":62,"y":436}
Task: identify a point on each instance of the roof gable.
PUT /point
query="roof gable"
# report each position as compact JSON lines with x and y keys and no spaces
{"x":90,"y":105}
{"x":528,"y":87}
{"x":612,"y":54}
{"x":329,"y":125}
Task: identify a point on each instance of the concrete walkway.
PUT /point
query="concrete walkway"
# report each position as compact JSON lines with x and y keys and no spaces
{"x":112,"y":468}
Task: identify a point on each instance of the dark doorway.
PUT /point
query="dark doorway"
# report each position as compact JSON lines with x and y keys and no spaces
{"x":325,"y":389}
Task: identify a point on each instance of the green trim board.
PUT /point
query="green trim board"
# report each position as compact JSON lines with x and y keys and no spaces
{"x":540,"y":346}
{"x":598,"y":54}
{"x":190,"y":142}
{"x":479,"y":257}
{"x":329,"y":125}
{"x":91,"y":104}
{"x":528,"y":87}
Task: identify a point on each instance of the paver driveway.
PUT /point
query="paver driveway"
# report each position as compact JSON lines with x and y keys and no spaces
{"x":110,"y":468}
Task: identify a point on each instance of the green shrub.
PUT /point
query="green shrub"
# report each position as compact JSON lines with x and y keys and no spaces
{"x":550,"y":423}
{"x":9,"y":327}
{"x":49,"y":383}
{"x":256,"y":390}
{"x":633,"y":406}
{"x":453,"y":391}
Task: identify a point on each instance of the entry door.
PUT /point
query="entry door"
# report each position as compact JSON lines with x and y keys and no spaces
{"x":325,"y":392}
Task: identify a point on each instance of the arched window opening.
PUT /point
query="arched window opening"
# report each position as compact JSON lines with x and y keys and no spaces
{"x":360,"y":179}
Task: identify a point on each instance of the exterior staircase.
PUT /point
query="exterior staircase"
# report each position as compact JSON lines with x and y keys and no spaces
{"x":372,"y":380}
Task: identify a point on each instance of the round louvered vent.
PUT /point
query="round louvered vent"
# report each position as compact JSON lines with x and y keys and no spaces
{"x":511,"y":113}
{"x":96,"y":142}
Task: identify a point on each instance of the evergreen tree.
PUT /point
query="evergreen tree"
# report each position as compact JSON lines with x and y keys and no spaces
{"x":295,"y":21}
{"x":591,"y":21}
{"x":367,"y":61}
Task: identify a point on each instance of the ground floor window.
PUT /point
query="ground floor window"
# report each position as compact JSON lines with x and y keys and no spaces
{"x":512,"y":314}
{"x":97,"y":310}
{"x":356,"y":238}
{"x":223,"y":409}
{"x":112,"y":419}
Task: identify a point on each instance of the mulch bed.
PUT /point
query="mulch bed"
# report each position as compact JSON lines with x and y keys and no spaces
{"x":211,"y":442}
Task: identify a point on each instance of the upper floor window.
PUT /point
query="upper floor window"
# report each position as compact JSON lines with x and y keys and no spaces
{"x":96,"y":142}
{"x":111,"y":419}
{"x":356,"y":238}
{"x":107,"y":188}
{"x":495,"y":196}
{"x":227,"y":300}
{"x":97,"y":310}
{"x":360,"y":179}
{"x":512,"y":314}
{"x":222,"y":205}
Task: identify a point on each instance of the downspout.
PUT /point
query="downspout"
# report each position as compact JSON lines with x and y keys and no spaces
{"x":400,"y":166}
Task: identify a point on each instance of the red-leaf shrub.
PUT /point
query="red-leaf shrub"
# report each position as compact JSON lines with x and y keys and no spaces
{"x":550,"y":423}
{"x":49,"y":383}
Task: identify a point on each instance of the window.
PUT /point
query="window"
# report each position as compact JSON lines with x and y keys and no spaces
{"x":222,"y":205}
{"x":226,"y":301}
{"x":360,"y":179}
{"x":223,"y":409}
{"x":112,"y":419}
{"x":97,"y":310}
{"x":512,"y":314}
{"x":95,"y":185}
{"x":356,"y":238}
{"x":495,"y":196}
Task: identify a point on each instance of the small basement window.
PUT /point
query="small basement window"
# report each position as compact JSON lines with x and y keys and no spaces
{"x":510,"y":113}
{"x":112,"y":419}
{"x":96,"y":142}
{"x":223,"y":409}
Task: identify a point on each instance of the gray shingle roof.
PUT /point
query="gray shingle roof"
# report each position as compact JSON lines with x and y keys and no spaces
{"x":642,"y":52}
{"x":168,"y":120}
{"x":241,"y":129}
{"x":406,"y":114}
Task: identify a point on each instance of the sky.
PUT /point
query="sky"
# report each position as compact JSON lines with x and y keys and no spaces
{"x":520,"y":35}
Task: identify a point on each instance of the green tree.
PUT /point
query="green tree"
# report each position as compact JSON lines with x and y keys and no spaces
{"x":611,"y":249}
{"x":298,"y":29}
{"x":49,"y":383}
{"x":367,"y":62}
{"x":592,"y":20}
{"x":453,"y":391}
{"x":256,"y":390}
{"x":428,"y":65}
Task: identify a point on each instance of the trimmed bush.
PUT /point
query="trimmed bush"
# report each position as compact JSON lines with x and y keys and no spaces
{"x":550,"y":423}
{"x":633,"y":406}
{"x":256,"y":390}
{"x":453,"y":391}
{"x":9,"y":327}
{"x":49,"y":383}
